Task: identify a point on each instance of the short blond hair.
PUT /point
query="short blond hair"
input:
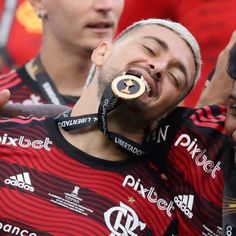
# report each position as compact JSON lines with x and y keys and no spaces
{"x":179,"y":29}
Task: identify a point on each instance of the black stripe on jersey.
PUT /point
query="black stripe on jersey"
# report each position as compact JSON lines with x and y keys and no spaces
{"x":172,"y":229}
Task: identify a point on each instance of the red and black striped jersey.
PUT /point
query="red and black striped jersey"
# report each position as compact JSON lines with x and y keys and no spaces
{"x":190,"y":149}
{"x":49,"y":187}
{"x":25,"y":90}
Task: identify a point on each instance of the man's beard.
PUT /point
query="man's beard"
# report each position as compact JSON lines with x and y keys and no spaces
{"x":105,"y":78}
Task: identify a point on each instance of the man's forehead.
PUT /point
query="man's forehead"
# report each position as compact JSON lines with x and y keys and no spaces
{"x":158,"y":32}
{"x":141,"y":31}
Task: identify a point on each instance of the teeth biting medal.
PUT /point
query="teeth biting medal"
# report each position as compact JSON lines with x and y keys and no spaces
{"x":128,"y":86}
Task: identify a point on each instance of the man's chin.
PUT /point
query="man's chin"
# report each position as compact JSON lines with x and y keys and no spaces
{"x":133,"y":105}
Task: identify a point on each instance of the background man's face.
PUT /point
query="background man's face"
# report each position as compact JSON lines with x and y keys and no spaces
{"x":83,"y":23}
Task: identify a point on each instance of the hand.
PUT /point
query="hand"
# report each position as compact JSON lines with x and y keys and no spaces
{"x":218,"y":89}
{"x":4,"y":97}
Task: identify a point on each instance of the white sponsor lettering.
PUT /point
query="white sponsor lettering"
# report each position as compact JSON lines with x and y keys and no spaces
{"x":35,"y":100}
{"x":150,"y":194}
{"x":8,"y":228}
{"x":32,"y":100}
{"x":229,"y":230}
{"x":25,"y":143}
{"x":198,"y":155}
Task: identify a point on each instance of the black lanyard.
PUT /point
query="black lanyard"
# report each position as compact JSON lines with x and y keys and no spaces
{"x":46,"y":85}
{"x":109,"y":101}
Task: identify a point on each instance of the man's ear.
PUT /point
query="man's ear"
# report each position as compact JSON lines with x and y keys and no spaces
{"x":101,"y":53}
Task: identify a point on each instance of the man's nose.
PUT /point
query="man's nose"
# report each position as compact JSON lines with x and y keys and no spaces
{"x":103,"y":5}
{"x":158,"y":69}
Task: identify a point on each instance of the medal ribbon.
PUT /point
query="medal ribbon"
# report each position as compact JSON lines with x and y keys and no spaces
{"x":47,"y":87}
{"x":109,"y":101}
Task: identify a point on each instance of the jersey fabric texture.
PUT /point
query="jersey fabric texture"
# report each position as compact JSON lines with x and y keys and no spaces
{"x":211,"y":22}
{"x":25,"y":90}
{"x":49,"y":187}
{"x":190,"y":148}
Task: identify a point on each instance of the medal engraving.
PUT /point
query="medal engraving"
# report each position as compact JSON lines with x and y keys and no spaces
{"x":128,"y":86}
{"x":129,"y":83}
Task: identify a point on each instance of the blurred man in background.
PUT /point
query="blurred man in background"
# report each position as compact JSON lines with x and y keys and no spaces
{"x":71,"y":30}
{"x":20,"y":33}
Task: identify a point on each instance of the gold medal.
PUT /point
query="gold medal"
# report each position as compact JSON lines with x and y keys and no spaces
{"x":128,"y":86}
